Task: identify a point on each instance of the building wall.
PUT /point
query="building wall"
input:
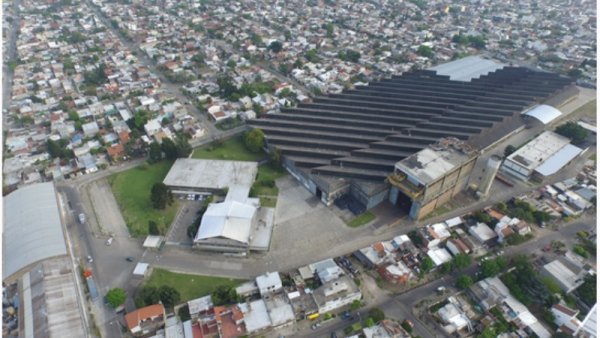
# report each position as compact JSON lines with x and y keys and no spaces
{"x":299,"y":176}
{"x":220,"y":246}
{"x":368,"y":201}
{"x":445,"y":188}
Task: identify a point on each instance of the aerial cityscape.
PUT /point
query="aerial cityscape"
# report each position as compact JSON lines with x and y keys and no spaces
{"x":317,"y":168}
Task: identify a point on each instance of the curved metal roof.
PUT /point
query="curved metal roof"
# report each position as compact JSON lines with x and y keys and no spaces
{"x":543,"y":113}
{"x":230,"y":219}
{"x":32,"y":227}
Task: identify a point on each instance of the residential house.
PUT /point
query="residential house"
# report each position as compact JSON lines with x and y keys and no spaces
{"x":268,"y":283}
{"x":146,"y":320}
{"x":230,"y":321}
{"x":565,"y":318}
{"x":336,"y":293}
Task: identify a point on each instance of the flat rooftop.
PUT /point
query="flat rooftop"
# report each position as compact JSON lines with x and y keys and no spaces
{"x":433,"y":162}
{"x":210,"y":174}
{"x":538,"y":150}
{"x":468,"y":68}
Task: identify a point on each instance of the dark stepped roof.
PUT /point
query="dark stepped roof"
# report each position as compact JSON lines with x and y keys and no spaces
{"x":362,"y":132}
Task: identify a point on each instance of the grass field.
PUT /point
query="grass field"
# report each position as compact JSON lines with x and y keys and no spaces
{"x":588,"y":110}
{"x":189,"y":286}
{"x":232,"y":149}
{"x":264,"y":187}
{"x":361,"y":219}
{"x":132,"y":192}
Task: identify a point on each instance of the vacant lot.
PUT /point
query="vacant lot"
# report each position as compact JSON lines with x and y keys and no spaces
{"x":232,"y":149}
{"x":189,"y":286}
{"x":132,"y":191}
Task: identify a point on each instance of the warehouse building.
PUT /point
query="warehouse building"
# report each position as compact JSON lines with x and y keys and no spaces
{"x":343,"y":147}
{"x":35,"y":257}
{"x":541,"y":157}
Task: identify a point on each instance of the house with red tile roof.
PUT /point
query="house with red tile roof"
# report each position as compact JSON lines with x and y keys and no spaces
{"x":146,"y":320}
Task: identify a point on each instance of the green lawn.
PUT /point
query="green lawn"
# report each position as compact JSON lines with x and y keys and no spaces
{"x":264,"y":187}
{"x":361,"y":219}
{"x":588,"y":109}
{"x":593,"y":157}
{"x":189,"y":286}
{"x":132,"y":192}
{"x":232,"y":149}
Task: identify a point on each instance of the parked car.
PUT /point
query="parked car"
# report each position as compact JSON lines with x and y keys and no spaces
{"x":90,"y":259}
{"x":109,"y":241}
{"x":81,"y":218}
{"x":129,"y":259}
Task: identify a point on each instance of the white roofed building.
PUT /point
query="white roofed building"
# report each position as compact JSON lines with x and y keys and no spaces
{"x":268,"y":283}
{"x":226,"y":227}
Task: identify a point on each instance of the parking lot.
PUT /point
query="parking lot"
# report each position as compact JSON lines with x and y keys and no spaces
{"x":188,"y":212}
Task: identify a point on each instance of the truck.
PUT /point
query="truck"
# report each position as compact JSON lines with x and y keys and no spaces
{"x":81,"y":218}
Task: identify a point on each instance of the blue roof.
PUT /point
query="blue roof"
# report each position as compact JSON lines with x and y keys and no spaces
{"x":555,"y":162}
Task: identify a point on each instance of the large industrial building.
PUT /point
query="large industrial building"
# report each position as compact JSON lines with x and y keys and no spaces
{"x":343,"y":147}
{"x":36,"y":261}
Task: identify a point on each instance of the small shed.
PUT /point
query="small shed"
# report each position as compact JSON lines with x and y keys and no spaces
{"x":141,"y":270}
{"x":153,"y":242}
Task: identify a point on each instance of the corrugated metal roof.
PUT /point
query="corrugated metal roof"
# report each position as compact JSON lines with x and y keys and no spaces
{"x":32,"y":227}
{"x":468,"y":68}
{"x":543,"y":113}
{"x":555,"y":162}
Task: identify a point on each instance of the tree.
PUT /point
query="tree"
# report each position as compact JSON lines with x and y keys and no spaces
{"x":161,"y":196}
{"x":275,"y":47}
{"x":184,"y":313}
{"x":226,"y":86}
{"x":153,"y":228}
{"x":224,"y":294}
{"x":147,"y":295}
{"x":587,"y":290}
{"x":116,"y":297}
{"x":169,"y":148}
{"x":489,"y":332}
{"x":541,"y":216}
{"x":489,"y":268}
{"x":482,"y":217}
{"x":572,"y":130}
{"x":369,"y":322}
{"x":312,"y":56}
{"x":509,"y":150}
{"x":461,"y":261}
{"x":184,"y":149}
{"x":377,"y":314}
{"x":198,"y":59}
{"x":254,"y":140}
{"x":464,"y":282}
{"x":168,"y":295}
{"x":425,"y":51}
{"x":406,"y":325}
{"x":426,"y":264}
{"x":356,"y":304}
{"x":155,"y":153}
{"x":192,"y":230}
